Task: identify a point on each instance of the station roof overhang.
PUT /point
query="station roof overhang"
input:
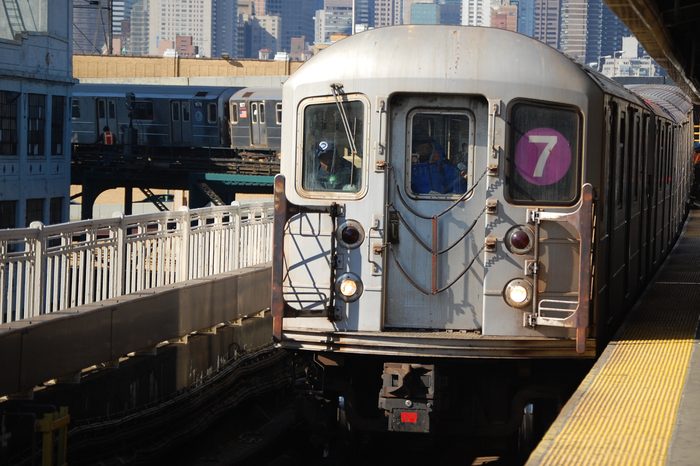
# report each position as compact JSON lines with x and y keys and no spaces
{"x":669,"y":30}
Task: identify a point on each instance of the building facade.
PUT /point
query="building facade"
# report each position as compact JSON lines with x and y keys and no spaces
{"x":35,"y":88}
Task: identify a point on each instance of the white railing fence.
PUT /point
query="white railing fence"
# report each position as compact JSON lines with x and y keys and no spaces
{"x":48,"y":268}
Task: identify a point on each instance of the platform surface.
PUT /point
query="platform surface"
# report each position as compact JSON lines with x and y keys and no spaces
{"x":640,"y":403}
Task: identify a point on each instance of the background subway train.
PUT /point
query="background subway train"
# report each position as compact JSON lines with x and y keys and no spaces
{"x":160,"y":118}
{"x":463,"y":221}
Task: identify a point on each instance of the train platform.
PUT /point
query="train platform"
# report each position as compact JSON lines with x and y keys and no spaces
{"x":640,"y":404}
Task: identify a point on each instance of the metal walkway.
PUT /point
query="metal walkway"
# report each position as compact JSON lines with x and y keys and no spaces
{"x":640,"y":404}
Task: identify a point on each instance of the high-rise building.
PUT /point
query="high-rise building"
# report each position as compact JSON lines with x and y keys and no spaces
{"x":604,"y":32}
{"x":526,"y":16}
{"x":91,"y":31}
{"x":388,"y":12}
{"x":505,"y":17}
{"x":450,"y":11}
{"x":225,"y":25}
{"x":476,"y":12}
{"x":425,"y":13}
{"x":546,"y":22}
{"x":140,"y":29}
{"x":364,"y":14}
{"x":335,"y":18}
{"x":573,"y":28}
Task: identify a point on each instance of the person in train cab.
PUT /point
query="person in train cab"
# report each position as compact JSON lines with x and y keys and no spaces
{"x":431,"y":173}
{"x":334,"y":171}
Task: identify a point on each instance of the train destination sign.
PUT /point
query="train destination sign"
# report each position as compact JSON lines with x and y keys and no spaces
{"x":543,"y":156}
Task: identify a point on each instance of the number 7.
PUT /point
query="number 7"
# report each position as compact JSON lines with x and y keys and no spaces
{"x":550,"y":142}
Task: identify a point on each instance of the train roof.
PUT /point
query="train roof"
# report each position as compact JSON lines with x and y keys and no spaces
{"x":150,"y":91}
{"x":441,"y":58}
{"x":669,"y":98}
{"x":264,"y":93}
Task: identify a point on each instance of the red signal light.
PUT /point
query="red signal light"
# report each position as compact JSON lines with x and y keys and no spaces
{"x":409,"y":417}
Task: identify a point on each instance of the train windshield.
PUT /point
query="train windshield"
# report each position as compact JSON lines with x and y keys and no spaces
{"x":440,"y":145}
{"x":329,"y":163}
{"x":543,"y":161}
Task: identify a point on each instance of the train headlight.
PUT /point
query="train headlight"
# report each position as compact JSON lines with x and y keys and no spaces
{"x":519,"y":240}
{"x":518,"y":293}
{"x":350,"y":234}
{"x":348,"y":287}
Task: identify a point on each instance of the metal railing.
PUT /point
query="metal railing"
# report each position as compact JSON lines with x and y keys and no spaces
{"x":44,"y":269}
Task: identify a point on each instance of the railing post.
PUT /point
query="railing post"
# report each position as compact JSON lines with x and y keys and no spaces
{"x":36,"y":301}
{"x":120,"y":281}
{"x":184,"y":259}
{"x":236,"y":234}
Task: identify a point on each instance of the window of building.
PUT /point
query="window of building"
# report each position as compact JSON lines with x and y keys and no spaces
{"x":8,"y":214}
{"x":58,"y":103}
{"x":8,"y":122}
{"x":36,"y":119}
{"x":35,"y":211}
{"x":55,"y":210}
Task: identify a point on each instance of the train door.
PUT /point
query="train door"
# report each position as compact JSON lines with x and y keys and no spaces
{"x":107,"y":116}
{"x":257,"y":123}
{"x":180,"y":122}
{"x":434,"y":272}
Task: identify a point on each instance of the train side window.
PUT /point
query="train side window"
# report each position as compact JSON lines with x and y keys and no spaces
{"x":254,"y":112}
{"x":328,"y":161}
{"x":75,"y":108}
{"x":620,"y":155}
{"x":175,"y":111}
{"x":111,"y":110}
{"x":234,"y":114}
{"x":543,"y":154}
{"x":261,"y":107}
{"x":185,"y":111}
{"x":278,"y":113}
{"x":100,"y":108}
{"x":143,"y":110}
{"x":440,"y":142}
{"x":211,"y":112}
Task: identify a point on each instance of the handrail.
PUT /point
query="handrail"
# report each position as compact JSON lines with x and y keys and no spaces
{"x":47,"y":268}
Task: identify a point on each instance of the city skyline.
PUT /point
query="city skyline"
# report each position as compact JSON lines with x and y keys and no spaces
{"x":585,"y":30}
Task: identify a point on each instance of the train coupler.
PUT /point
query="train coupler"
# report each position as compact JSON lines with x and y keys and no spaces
{"x":408,"y":396}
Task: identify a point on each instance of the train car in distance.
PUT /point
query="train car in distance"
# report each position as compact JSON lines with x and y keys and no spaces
{"x":161,"y":116}
{"x":256,"y":121}
{"x":461,"y":220}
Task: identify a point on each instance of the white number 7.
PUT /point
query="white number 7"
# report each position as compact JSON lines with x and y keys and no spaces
{"x":550,"y":142}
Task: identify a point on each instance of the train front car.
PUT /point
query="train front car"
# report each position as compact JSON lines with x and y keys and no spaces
{"x":434,"y":223}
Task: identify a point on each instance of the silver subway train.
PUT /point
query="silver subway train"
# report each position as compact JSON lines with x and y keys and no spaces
{"x":159,"y":118}
{"x":462,"y":214}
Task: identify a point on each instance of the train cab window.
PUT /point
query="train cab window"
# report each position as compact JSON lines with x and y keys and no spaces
{"x":211,"y":113}
{"x":543,"y":155}
{"x":278,"y":113}
{"x":439,"y":152}
{"x":333,"y":149}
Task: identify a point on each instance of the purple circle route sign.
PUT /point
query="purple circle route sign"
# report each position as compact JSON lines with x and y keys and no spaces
{"x":542,"y":156}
